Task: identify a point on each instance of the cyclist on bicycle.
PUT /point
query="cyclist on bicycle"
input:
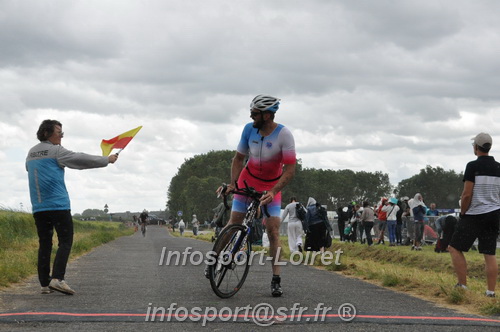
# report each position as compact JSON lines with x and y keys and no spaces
{"x":270,"y":148}
{"x":143,"y":217}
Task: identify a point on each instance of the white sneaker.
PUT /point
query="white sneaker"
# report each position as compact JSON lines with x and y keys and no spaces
{"x":46,"y":290}
{"x":490,"y":293}
{"x":61,"y":286}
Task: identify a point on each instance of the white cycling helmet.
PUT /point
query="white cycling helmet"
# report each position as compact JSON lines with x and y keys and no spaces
{"x":265,"y":103}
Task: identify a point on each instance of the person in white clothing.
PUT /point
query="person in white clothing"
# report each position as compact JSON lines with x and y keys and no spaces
{"x":182,"y":227}
{"x":196,"y":225}
{"x":391,"y":208}
{"x":295,"y":230}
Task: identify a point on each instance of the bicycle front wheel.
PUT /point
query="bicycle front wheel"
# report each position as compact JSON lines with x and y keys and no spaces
{"x":231,"y":261}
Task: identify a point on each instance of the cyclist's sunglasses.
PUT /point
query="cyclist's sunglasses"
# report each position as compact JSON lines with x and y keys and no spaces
{"x":254,"y":113}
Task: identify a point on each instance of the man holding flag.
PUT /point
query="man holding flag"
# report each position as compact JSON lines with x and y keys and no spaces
{"x":45,"y":164}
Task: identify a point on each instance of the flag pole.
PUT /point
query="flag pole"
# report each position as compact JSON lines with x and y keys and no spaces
{"x":119,"y":152}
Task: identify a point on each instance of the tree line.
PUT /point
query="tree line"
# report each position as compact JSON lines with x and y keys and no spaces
{"x":192,"y":189}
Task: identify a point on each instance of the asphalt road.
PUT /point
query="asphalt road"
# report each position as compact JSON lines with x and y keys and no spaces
{"x":119,"y":285}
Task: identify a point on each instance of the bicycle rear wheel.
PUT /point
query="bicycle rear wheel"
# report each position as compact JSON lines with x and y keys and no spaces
{"x":231,"y":257}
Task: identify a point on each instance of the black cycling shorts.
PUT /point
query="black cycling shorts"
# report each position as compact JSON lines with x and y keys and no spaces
{"x":483,"y":227}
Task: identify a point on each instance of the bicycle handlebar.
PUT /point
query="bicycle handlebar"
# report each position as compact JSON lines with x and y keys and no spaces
{"x":247,"y":191}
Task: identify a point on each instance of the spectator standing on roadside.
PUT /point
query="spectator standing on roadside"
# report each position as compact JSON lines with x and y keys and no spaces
{"x":361,"y":226}
{"x":50,"y":201}
{"x":136,"y":223}
{"x":432,"y":211}
{"x":432,"y":215}
{"x":479,"y":214}
{"x":408,"y":221}
{"x":315,"y":227}
{"x":382,"y":220}
{"x":174,"y":224}
{"x":196,"y":225}
{"x":295,"y":230}
{"x":182,"y":226}
{"x":343,"y":213}
{"x":399,"y":223}
{"x":391,"y":208}
{"x":355,"y":222}
{"x":344,"y":216}
{"x":418,"y":207}
{"x":367,"y":218}
{"x":171,"y":222}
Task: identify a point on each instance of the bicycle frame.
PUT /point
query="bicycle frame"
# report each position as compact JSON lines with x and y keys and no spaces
{"x":247,"y":221}
{"x":227,"y":276}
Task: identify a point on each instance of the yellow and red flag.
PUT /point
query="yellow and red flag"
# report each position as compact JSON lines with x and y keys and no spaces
{"x":118,"y":142}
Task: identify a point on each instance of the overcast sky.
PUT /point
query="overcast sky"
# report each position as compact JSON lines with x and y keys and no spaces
{"x":387,"y":86}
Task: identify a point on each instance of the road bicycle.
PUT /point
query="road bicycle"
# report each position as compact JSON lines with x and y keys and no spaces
{"x":230,"y":257}
{"x":143,"y":229}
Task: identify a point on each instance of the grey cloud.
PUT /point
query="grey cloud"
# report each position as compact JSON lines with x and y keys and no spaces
{"x":48,"y":33}
{"x":408,"y":24}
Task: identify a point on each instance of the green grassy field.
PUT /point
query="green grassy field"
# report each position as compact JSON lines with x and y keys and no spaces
{"x":19,"y":243}
{"x":424,"y":274}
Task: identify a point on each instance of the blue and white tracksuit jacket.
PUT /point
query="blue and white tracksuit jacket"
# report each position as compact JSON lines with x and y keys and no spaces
{"x":45,"y":165}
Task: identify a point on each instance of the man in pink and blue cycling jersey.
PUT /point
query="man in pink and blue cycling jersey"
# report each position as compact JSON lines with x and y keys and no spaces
{"x":270,"y":149}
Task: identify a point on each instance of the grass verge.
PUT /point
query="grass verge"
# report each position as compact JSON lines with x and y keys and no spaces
{"x":19,"y":243}
{"x":424,"y":274}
